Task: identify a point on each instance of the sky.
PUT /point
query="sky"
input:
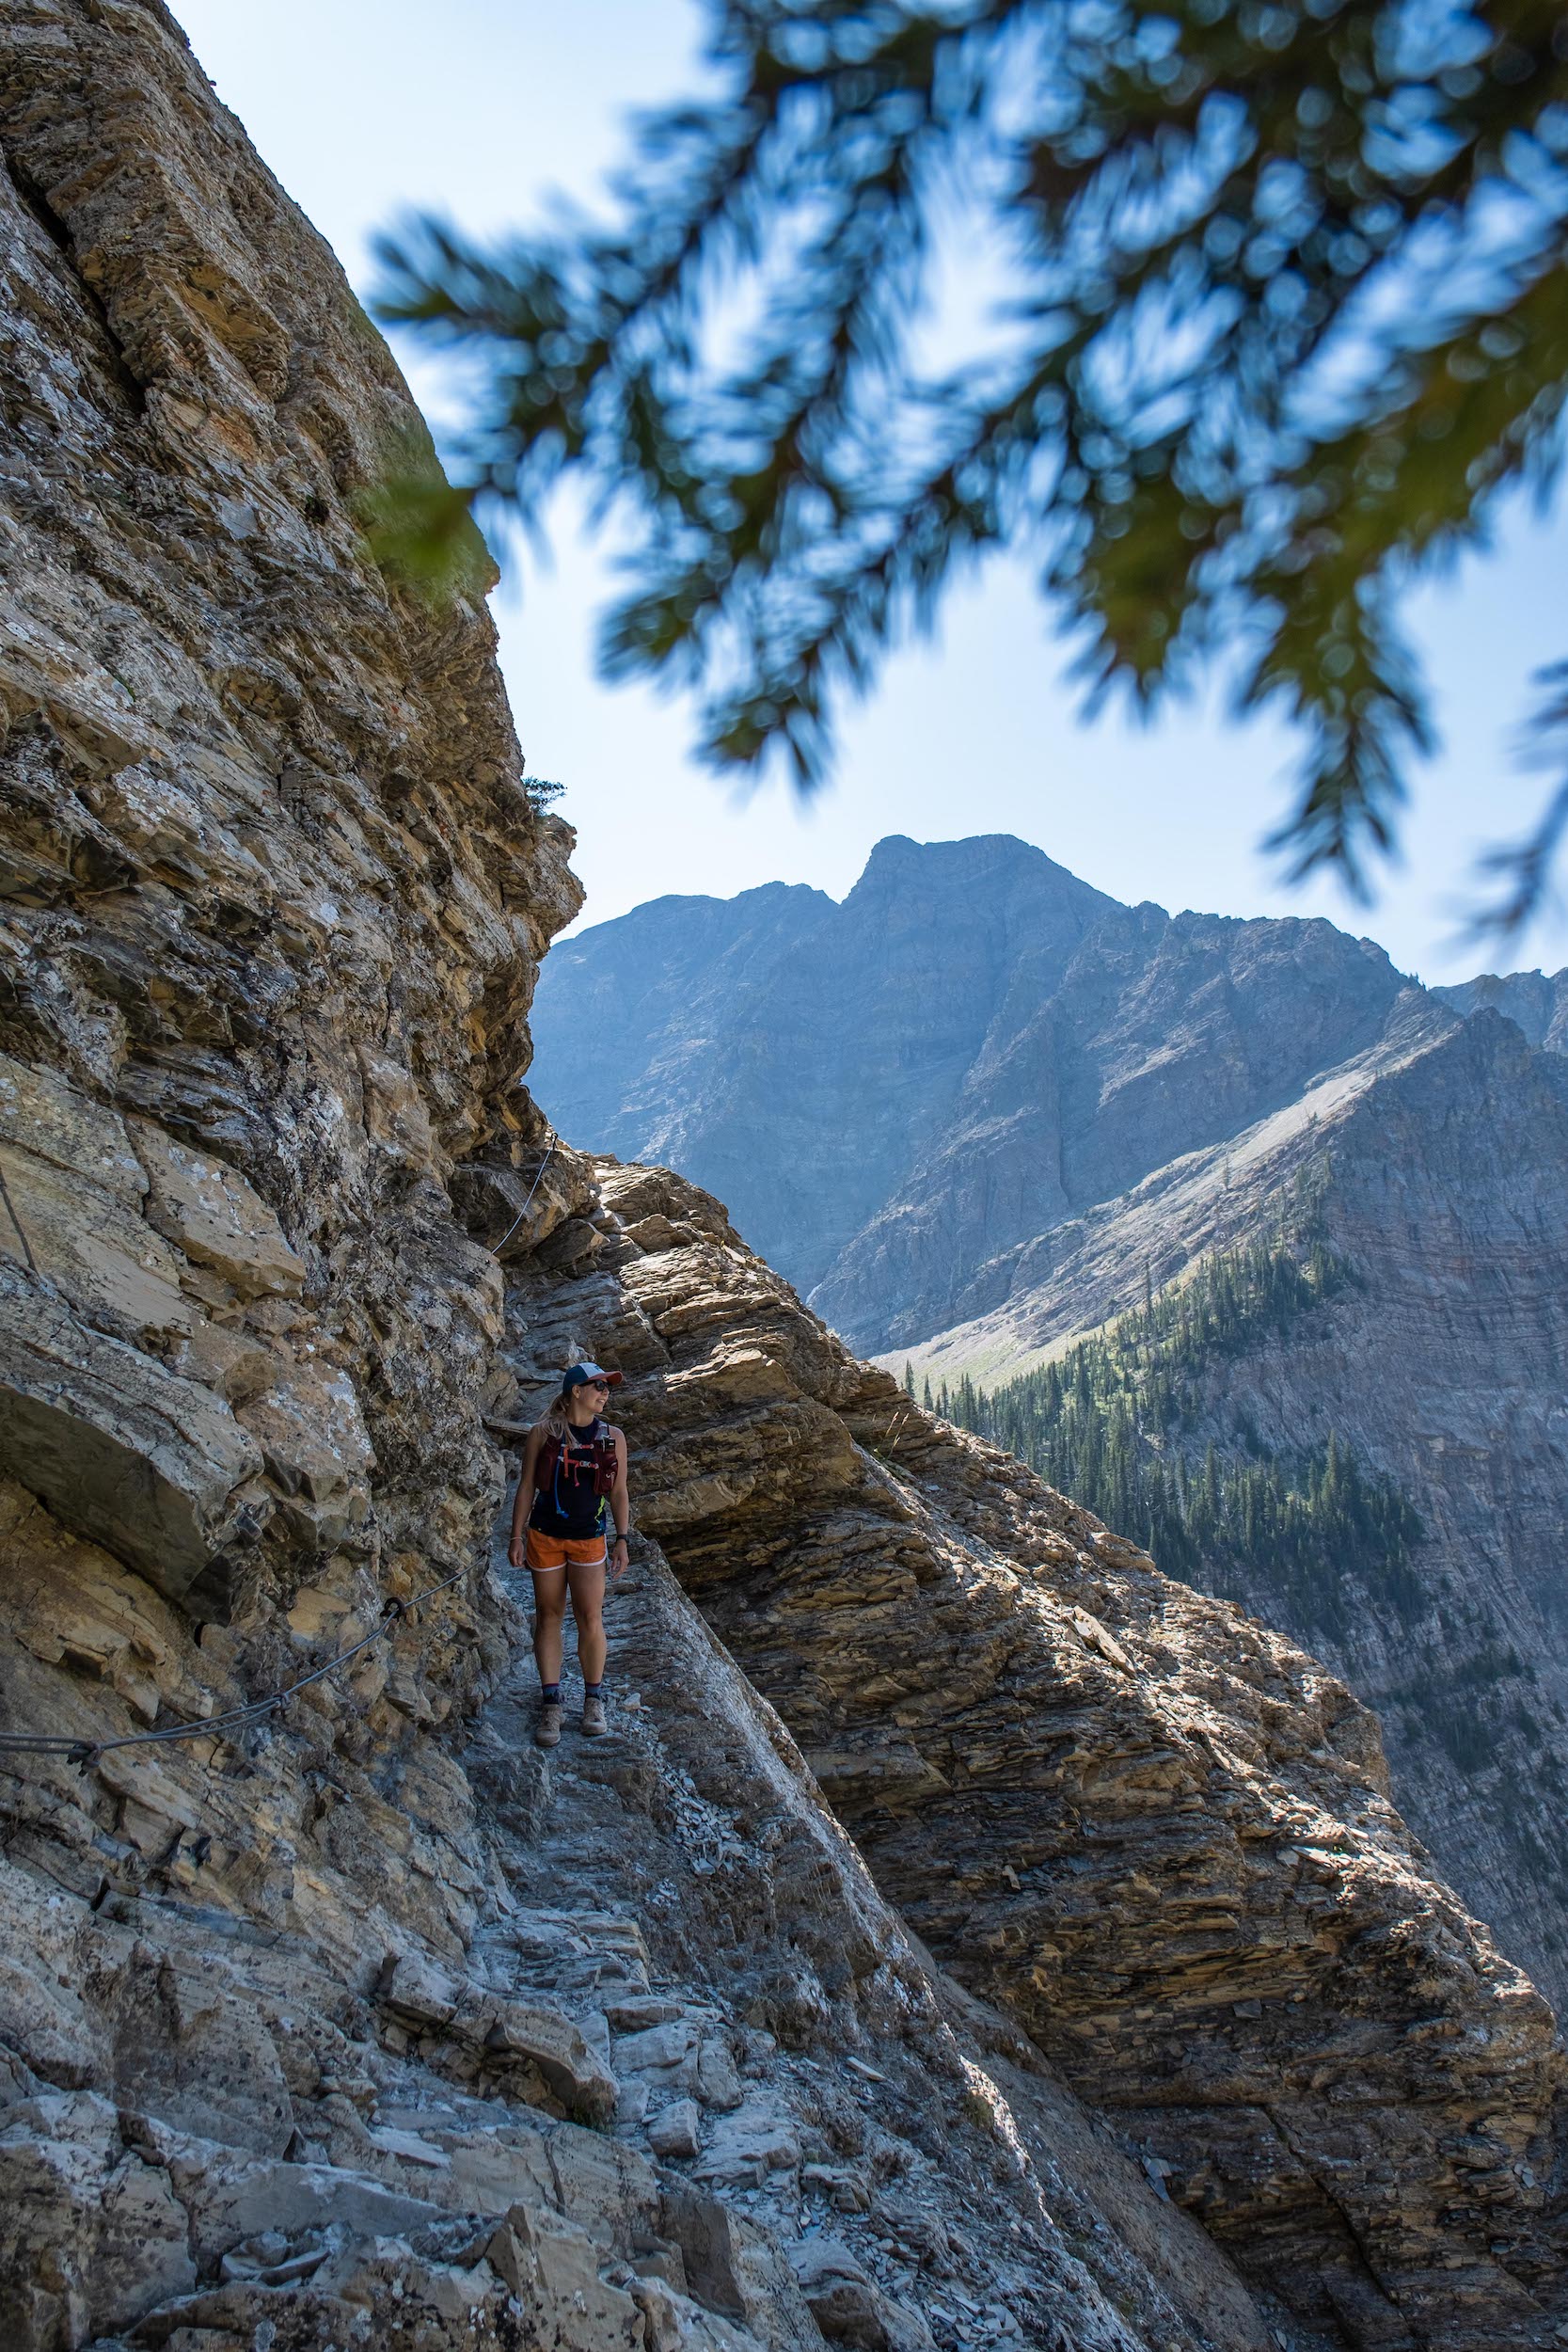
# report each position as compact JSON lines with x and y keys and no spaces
{"x":481,"y":109}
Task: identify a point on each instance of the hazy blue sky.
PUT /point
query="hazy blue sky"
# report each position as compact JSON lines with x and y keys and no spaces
{"x":480,"y":108}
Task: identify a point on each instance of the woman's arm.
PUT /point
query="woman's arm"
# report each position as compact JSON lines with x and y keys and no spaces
{"x":526,"y":1491}
{"x":620,"y":1504}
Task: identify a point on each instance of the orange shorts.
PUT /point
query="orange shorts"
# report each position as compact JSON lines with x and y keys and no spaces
{"x":559,"y":1551}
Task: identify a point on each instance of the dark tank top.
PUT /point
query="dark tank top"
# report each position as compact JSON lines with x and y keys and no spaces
{"x":567,"y":1506}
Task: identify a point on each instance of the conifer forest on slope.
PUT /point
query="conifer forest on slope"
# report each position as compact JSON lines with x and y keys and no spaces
{"x":1124,"y":1421}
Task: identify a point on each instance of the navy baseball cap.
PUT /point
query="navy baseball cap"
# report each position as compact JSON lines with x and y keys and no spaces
{"x":578,"y":1375}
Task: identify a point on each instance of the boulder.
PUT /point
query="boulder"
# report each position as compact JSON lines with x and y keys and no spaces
{"x":546,"y":2039}
{"x":676,"y":2130}
{"x":848,"y":2306}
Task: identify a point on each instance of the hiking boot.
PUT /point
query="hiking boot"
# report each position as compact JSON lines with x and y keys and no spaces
{"x":592,"y":1715}
{"x":547,"y":1729}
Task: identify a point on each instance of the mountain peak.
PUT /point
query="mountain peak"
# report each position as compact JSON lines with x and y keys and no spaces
{"x":999,"y":860}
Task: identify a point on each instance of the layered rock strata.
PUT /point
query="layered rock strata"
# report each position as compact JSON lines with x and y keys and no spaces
{"x":1146,"y":1826}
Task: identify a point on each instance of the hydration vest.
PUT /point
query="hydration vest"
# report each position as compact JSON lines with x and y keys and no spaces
{"x":592,"y":1456}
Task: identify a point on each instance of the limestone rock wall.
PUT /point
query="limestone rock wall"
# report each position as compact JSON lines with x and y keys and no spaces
{"x":273,"y":895}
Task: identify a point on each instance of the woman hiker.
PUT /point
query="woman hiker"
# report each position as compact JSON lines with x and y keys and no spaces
{"x":573,"y":1480}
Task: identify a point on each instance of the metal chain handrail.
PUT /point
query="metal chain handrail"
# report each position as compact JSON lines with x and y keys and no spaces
{"x":85,"y":1754}
{"x":528,"y":1202}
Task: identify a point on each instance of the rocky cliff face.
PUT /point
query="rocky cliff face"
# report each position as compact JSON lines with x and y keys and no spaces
{"x":274,"y":894}
{"x":352,"y":2019}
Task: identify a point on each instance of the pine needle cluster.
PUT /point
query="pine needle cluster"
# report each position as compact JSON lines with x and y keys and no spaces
{"x":1284,"y":306}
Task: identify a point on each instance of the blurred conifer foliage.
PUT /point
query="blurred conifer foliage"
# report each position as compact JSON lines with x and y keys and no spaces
{"x":1285,"y":302}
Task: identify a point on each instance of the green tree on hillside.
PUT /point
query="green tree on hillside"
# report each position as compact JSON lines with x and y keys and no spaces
{"x":1116,"y":1423}
{"x":1289,"y":305}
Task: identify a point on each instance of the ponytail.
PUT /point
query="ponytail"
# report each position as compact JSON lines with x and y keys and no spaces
{"x":555,"y":1424}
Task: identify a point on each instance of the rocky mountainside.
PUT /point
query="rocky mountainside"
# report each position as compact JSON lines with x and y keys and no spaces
{"x":966,"y":1935}
{"x":1434,"y":1357}
{"x":1137,"y":1103}
{"x":1536,"y":1002}
{"x":897,"y":1095}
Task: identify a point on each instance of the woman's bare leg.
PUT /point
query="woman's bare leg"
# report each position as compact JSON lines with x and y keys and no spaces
{"x":549,"y":1615}
{"x":587,"y":1585}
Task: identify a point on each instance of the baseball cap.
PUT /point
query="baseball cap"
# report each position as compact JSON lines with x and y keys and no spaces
{"x":577,"y":1376}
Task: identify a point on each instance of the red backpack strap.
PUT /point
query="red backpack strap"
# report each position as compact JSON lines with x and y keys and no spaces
{"x":607,"y":1465}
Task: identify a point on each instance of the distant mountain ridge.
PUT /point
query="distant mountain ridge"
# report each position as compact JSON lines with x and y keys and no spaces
{"x":768,"y":1012}
{"x":1536,"y":1002}
{"x":899,"y":1094}
{"x":979,"y":1111}
{"x":971,"y":1049}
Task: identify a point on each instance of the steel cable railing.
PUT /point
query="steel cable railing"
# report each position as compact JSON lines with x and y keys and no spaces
{"x":528,"y":1202}
{"x":85,"y":1754}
